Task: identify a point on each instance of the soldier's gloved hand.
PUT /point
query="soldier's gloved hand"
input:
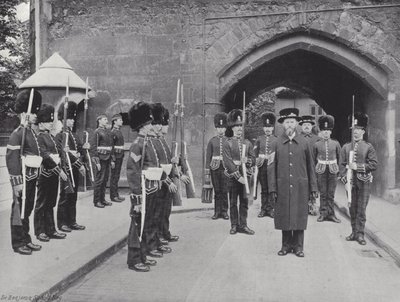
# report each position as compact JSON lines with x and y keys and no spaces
{"x":82,"y":170}
{"x":18,"y":190}
{"x":66,"y":149}
{"x":314,"y":194}
{"x":185,"y":179}
{"x":244,"y":160}
{"x":86,"y":146}
{"x":98,"y":166}
{"x":273,"y":196}
{"x":353,"y":166}
{"x":175,"y":160}
{"x":172,"y":188}
{"x":137,"y":208}
{"x":259,"y":161}
{"x":241,"y":180}
{"x":113,"y":165}
{"x":63,"y":176}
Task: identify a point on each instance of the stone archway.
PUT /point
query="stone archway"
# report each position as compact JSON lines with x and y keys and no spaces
{"x":332,"y":73}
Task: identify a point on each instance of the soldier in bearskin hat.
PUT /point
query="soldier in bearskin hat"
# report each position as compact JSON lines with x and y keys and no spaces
{"x":262,"y":151}
{"x":23,"y":153}
{"x":45,"y":227}
{"x":327,"y":158}
{"x":103,"y":157}
{"x":364,"y":161}
{"x":118,"y":143}
{"x":142,"y":159}
{"x":71,"y":147}
{"x":215,"y":167}
{"x":233,"y":159}
{"x":291,"y":181}
{"x":307,"y":123}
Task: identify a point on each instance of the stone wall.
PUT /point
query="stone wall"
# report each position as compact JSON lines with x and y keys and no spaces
{"x":138,"y":49}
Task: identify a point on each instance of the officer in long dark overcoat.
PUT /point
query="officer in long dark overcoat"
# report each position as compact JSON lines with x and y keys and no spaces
{"x":291,"y":180}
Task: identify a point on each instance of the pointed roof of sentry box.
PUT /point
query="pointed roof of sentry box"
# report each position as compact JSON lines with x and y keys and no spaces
{"x":54,"y":73}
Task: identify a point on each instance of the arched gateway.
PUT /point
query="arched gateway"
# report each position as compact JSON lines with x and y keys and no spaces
{"x":331,"y":72}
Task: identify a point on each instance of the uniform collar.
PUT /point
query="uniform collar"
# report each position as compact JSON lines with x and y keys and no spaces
{"x":287,"y":139}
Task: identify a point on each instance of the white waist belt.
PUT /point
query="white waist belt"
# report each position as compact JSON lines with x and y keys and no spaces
{"x":237,"y":162}
{"x":217,"y":157}
{"x":119,"y":147}
{"x":327,"y":162}
{"x":104,"y":148}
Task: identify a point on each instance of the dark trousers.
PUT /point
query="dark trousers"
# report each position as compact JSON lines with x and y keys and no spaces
{"x":20,"y":228}
{"x":115,"y":175}
{"x":327,"y":187}
{"x":360,"y":197}
{"x":220,"y":181}
{"x":163,"y":211}
{"x":150,"y":237}
{"x":66,"y":210}
{"x":266,"y":204}
{"x":136,"y":250}
{"x":100,"y":181}
{"x":238,"y":191}
{"x":45,"y":203}
{"x":293,"y":239}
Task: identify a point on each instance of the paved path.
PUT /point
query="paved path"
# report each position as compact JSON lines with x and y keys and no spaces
{"x":208,"y":264}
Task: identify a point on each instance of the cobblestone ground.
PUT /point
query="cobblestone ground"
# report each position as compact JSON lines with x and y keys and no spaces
{"x":208,"y":264}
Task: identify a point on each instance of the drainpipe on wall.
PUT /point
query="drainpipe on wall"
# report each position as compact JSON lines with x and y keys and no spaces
{"x":37,"y":34}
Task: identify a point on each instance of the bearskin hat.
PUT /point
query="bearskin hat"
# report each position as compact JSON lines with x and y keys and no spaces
{"x":289,"y":113}
{"x":326,"y":122}
{"x":166,"y":118}
{"x":360,"y":120}
{"x":71,"y":111}
{"x":157,"y":111}
{"x":45,"y":114}
{"x":140,"y":115}
{"x":22,"y":101}
{"x":307,"y":119}
{"x":220,"y":120}
{"x":268,"y":119}
{"x":235,"y":118}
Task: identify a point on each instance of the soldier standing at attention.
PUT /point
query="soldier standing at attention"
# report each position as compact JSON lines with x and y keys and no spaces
{"x":142,"y":157}
{"x":233,"y":159}
{"x":215,"y":167}
{"x":45,"y":227}
{"x":118,"y":140}
{"x":262,"y":151}
{"x":66,"y":212}
{"x":20,"y":239}
{"x":102,"y":156}
{"x":364,"y":162}
{"x":307,"y":123}
{"x":291,"y":181}
{"x":327,"y":158}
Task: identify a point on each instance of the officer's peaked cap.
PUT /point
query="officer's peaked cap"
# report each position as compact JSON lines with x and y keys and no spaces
{"x":307,"y":119}
{"x":140,"y":115}
{"x":220,"y":120}
{"x":45,"y":114}
{"x":71,"y":111}
{"x":326,"y":122}
{"x":22,"y":101}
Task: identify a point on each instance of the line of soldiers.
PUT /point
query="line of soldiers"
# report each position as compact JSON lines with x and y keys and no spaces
{"x":292,"y":169}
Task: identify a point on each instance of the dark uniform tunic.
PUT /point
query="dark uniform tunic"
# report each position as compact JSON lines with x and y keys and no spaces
{"x":101,"y":146}
{"x":214,"y":163}
{"x":367,"y":161}
{"x":232,"y":151}
{"x":291,"y":175}
{"x":327,"y":158}
{"x":118,"y":142}
{"x":20,"y":228}
{"x":47,"y":185}
{"x":262,"y":151}
{"x":66,"y":212}
{"x":135,"y":164}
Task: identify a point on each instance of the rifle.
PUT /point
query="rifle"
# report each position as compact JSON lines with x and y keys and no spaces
{"x":25,"y":123}
{"x":143,"y":185}
{"x":255,"y":182}
{"x":89,"y":166}
{"x":185,"y":167}
{"x":349,"y":173}
{"x":176,"y":197}
{"x":243,"y":155}
{"x":70,"y":183}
